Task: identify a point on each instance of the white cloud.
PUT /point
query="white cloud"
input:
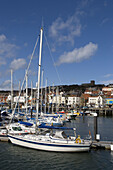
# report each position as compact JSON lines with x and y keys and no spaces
{"x":6,"y":85}
{"x":108,"y":75}
{"x":7,"y":82}
{"x":7,"y":49}
{"x":78,"y":55}
{"x":107,"y":82}
{"x":2,"y":37}
{"x":66,"y":31}
{"x":105,"y":20}
{"x":2,"y":61}
{"x":18,"y":63}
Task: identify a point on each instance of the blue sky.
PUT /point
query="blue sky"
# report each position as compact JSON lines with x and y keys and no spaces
{"x":77,"y":40}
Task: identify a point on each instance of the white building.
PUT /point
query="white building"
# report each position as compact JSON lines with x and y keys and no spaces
{"x":21,"y":99}
{"x":96,"y":101}
{"x":73,"y":100}
{"x":60,"y":99}
{"x":107,"y":89}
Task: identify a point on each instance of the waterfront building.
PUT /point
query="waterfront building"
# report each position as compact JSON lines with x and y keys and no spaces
{"x":95,"y":101}
{"x":107,"y":91}
{"x":73,"y":100}
{"x":57,"y":99}
{"x":21,"y":99}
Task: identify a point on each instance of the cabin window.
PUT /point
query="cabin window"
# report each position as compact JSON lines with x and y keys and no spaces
{"x":17,"y":128}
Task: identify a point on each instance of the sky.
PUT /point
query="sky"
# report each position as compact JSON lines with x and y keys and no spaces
{"x":77,"y":41}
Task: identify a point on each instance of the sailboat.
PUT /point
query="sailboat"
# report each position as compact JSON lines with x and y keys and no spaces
{"x":56,"y":141}
{"x":47,"y":140}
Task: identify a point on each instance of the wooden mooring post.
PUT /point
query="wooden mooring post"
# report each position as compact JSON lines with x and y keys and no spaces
{"x":96,"y":135}
{"x":95,"y":125}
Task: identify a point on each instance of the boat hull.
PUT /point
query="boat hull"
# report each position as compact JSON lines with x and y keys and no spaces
{"x":49,"y":146}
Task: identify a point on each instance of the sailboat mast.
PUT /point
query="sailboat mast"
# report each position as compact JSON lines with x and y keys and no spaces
{"x":45,"y":96}
{"x":11,"y":89}
{"x":26,"y":91}
{"x":41,"y":88}
{"x":57,"y":99}
{"x":48,"y":100}
{"x":18,"y":96}
{"x":39,"y":68}
{"x":31,"y":94}
{"x":52,"y":98}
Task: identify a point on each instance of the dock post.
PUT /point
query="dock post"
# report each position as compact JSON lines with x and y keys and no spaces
{"x":105,"y":112}
{"x":95,"y":125}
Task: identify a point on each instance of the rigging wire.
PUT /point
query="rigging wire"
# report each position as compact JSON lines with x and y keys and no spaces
{"x":53,"y":61}
{"x":52,"y":58}
{"x":25,"y":77}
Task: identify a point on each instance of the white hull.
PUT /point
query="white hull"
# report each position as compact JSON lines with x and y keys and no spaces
{"x":49,"y":146}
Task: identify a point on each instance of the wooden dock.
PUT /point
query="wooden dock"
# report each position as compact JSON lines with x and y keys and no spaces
{"x":100,"y":111}
{"x":102,"y":144}
{"x":2,"y":139}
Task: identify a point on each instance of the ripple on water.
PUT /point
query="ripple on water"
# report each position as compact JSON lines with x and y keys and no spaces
{"x":14,"y":157}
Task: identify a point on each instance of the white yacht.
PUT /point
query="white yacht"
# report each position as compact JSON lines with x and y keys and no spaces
{"x":49,"y":141}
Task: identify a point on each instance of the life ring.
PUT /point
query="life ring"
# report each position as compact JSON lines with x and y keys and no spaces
{"x":78,"y":140}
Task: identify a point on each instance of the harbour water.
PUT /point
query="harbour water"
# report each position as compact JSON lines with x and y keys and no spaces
{"x":15,"y":157}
